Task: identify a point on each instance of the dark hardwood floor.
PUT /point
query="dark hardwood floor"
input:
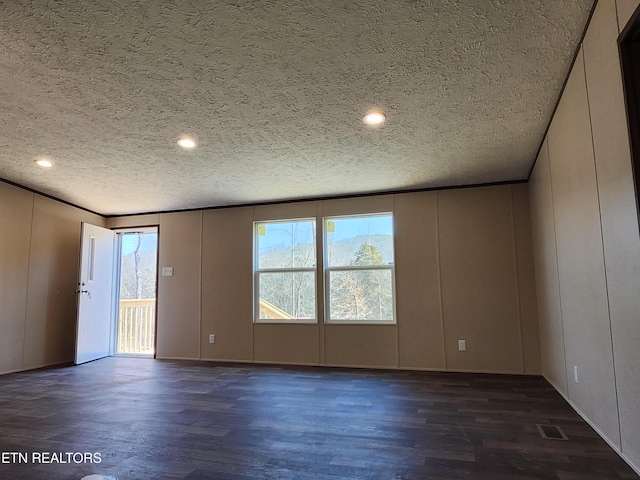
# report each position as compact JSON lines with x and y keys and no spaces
{"x":152,"y":419}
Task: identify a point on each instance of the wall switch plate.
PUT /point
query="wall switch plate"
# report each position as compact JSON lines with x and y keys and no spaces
{"x":212,"y":339}
{"x":462,"y":345}
{"x":167,"y":271}
{"x":575,"y":373}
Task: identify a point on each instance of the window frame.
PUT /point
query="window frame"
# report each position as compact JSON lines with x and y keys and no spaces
{"x":327,"y":269}
{"x":257,"y":271}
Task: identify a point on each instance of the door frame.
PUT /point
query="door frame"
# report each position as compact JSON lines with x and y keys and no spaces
{"x":116,"y":287}
{"x":629,"y":50}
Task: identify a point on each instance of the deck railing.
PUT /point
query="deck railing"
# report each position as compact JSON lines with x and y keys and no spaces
{"x":136,"y":326}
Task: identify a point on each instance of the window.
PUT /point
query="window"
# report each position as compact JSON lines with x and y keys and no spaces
{"x":359,"y":269}
{"x":285,"y":271}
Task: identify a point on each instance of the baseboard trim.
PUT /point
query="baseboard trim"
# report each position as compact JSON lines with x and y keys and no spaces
{"x":288,"y":364}
{"x":419,"y":369}
{"x":38,"y":367}
{"x":228,"y":360}
{"x":613,"y":446}
{"x":493,"y":372}
{"x":344,"y":365}
{"x":303,"y":364}
{"x":179,"y":358}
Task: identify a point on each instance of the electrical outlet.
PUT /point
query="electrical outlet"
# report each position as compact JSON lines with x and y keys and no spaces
{"x":167,"y":271}
{"x":212,"y":339}
{"x":462,"y":345}
{"x":575,"y":373}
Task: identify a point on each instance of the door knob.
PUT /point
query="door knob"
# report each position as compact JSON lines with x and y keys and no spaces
{"x":84,"y":291}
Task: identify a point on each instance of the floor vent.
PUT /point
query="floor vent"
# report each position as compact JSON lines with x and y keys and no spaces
{"x":551,"y":432}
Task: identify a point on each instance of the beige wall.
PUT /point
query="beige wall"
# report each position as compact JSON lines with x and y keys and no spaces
{"x":625,"y":8}
{"x":226,"y":275}
{"x":40,"y":241}
{"x":16,"y":208}
{"x":464,"y":270}
{"x":178,"y":318}
{"x":546,"y":273}
{"x":152,"y":219}
{"x":479,"y":279}
{"x":421,"y":329}
{"x":587,"y":244}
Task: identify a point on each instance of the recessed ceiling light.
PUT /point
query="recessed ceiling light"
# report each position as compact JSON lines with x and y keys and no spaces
{"x":374,"y":118}
{"x":187,"y":143}
{"x":43,"y":162}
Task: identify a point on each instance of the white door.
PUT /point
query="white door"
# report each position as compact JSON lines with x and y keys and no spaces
{"x":95,"y":299}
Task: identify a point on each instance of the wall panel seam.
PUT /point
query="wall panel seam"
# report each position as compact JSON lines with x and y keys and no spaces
{"x":200,"y":339}
{"x":517,"y":280}
{"x":442,"y":323}
{"x":604,"y":256}
{"x":26,"y":296}
{"x":555,"y":243}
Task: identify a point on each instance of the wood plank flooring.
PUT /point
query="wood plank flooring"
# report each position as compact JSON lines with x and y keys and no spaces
{"x":152,"y":419}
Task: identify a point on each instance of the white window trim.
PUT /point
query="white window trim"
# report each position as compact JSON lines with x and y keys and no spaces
{"x":327,"y":269}
{"x":257,"y":271}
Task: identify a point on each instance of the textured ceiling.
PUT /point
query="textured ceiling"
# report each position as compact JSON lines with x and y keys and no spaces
{"x":274,"y":93}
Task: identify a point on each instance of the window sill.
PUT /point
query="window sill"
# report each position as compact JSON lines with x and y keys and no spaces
{"x":361,"y":322}
{"x":298,"y":321}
